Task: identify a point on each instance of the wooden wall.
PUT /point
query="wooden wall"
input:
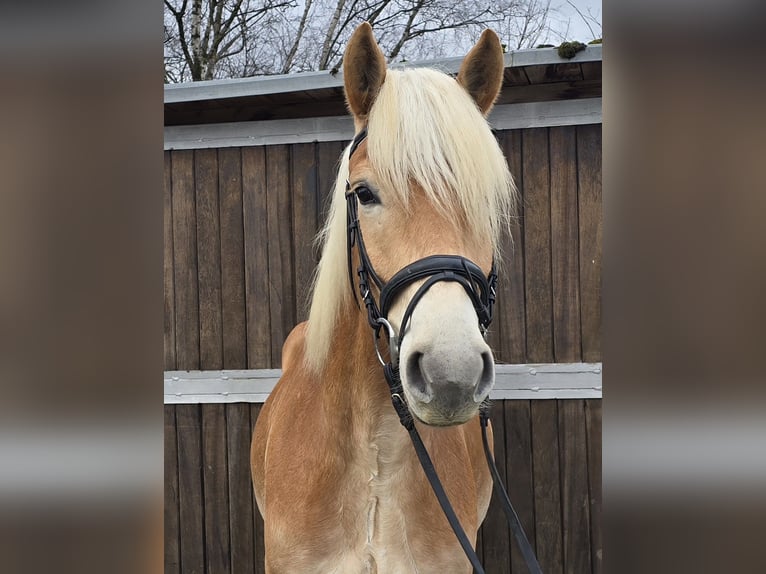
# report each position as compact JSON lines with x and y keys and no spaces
{"x":549,"y":452}
{"x":239,"y":230}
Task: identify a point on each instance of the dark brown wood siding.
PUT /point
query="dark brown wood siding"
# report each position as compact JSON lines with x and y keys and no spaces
{"x":239,"y":256}
{"x":547,"y":450}
{"x":239,"y":252}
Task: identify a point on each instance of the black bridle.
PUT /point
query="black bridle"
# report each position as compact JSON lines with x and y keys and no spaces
{"x":481,"y":291}
{"x":434,"y":268}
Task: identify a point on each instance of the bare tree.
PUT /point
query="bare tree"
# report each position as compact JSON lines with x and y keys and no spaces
{"x":423,"y":29}
{"x":172,"y":63}
{"x":328,"y":39}
{"x":211,"y":31}
{"x":207,"y":39}
{"x":298,"y":36}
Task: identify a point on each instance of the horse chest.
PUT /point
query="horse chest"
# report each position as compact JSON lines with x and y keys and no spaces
{"x":381,"y":544}
{"x":390,"y":538}
{"x":354,"y":502}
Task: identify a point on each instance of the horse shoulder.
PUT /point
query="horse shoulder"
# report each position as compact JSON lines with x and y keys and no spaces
{"x":292,"y":349}
{"x":292,"y":355}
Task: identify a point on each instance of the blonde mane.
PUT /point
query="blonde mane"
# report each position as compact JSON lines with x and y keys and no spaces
{"x":423,"y":128}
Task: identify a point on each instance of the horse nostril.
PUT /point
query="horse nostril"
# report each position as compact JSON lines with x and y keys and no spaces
{"x":487,"y":379}
{"x":416,"y":379}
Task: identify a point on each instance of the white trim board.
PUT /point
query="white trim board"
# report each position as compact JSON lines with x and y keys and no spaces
{"x":543,"y":381}
{"x":341,"y":128}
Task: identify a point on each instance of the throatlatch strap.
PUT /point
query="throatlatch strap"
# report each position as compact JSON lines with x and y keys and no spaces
{"x":510,"y":513}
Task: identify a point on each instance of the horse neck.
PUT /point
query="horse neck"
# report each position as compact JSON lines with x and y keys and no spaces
{"x":354,"y":387}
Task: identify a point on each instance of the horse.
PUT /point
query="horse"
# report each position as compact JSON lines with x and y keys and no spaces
{"x":335,"y":477}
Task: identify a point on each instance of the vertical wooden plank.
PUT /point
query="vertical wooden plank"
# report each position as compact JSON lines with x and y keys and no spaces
{"x":479,"y":546}
{"x":545,"y":461}
{"x":169,"y":287}
{"x":516,"y":331}
{"x":589,"y":199}
{"x":593,"y":425}
{"x":172,"y":549}
{"x":216,"y":489}
{"x":185,"y":261}
{"x":537,"y":245}
{"x":496,"y":537}
{"x":519,"y":476}
{"x":574,"y":486}
{"x":260,"y":552}
{"x":304,"y":201}
{"x":495,"y":334}
{"x":511,"y":305}
{"x":191,"y":501}
{"x":564,"y":245}
{"x":282,"y":292}
{"x":240,"y":488}
{"x":260,"y":565}
{"x":208,"y":258}
{"x":232,"y":259}
{"x":328,"y":157}
{"x":257,"y":273}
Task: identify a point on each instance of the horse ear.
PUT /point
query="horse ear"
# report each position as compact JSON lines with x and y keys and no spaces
{"x":481,"y":73}
{"x":364,"y":69}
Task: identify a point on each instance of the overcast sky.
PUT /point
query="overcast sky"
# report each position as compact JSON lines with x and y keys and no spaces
{"x":577,"y":28}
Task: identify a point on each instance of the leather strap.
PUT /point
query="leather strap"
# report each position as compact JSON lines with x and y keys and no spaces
{"x":394,"y":383}
{"x":440,"y":268}
{"x":358,"y":139}
{"x":533,"y":566}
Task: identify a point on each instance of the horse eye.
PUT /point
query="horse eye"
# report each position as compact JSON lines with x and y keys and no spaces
{"x":365,"y":195}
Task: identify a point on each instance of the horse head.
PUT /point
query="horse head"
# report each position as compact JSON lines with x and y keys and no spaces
{"x":428,"y":190}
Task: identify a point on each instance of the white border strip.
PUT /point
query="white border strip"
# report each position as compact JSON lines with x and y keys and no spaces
{"x":280,"y":84}
{"x":544,"y":381}
{"x":267,"y":132}
{"x":341,"y":128}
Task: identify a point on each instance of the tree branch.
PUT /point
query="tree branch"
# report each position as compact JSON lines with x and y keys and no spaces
{"x":298,"y":37}
{"x":179,"y":17}
{"x":584,"y":19}
{"x":327,"y":45}
{"x":405,"y":36}
{"x":196,"y":67}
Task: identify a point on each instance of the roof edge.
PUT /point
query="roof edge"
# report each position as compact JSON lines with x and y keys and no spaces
{"x":304,"y":81}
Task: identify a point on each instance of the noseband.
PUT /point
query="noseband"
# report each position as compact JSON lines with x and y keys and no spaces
{"x":481,"y":291}
{"x":434,"y":268}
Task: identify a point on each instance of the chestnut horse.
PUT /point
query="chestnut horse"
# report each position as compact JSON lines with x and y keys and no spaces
{"x":336,"y":478}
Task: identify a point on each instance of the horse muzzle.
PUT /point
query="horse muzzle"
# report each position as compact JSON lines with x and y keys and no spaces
{"x":446,"y":367}
{"x":442,"y":394}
